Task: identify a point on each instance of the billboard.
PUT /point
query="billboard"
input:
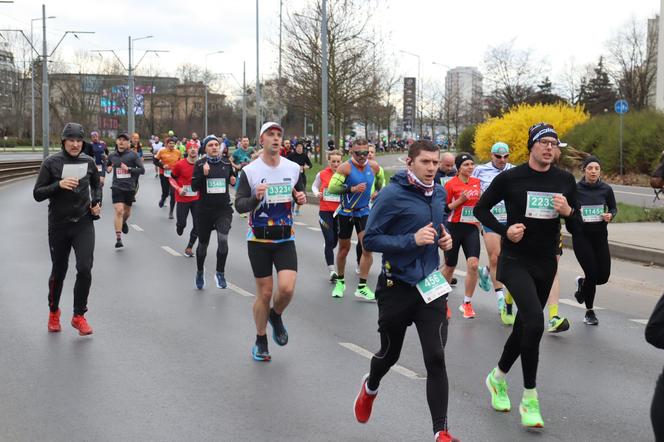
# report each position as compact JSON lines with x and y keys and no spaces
{"x":409,"y":103}
{"x":114,"y":100}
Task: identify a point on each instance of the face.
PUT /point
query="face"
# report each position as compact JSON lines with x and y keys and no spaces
{"x":245,"y":143}
{"x":212,"y":148}
{"x":360,"y":153}
{"x":299,"y":148}
{"x":466,"y":168}
{"x":73,"y":147}
{"x":122,"y":143}
{"x":135,"y":138}
{"x":424,"y":166}
{"x":543,"y":151}
{"x":499,"y":160}
{"x":194,"y":136}
{"x":156,"y":139}
{"x":170,"y":145}
{"x":447,"y":163}
{"x":94,"y":137}
{"x":193,"y":150}
{"x":287,"y":144}
{"x":271,"y":141}
{"x":333,"y":161}
{"x":372,"y":153}
{"x":592,"y":172}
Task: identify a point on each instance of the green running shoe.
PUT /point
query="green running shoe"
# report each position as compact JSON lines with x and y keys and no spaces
{"x":365,"y":293}
{"x":485,"y":278}
{"x":500,"y":401}
{"x":506,"y":317}
{"x":530,"y":413}
{"x":558,"y":324}
{"x":339,"y":288}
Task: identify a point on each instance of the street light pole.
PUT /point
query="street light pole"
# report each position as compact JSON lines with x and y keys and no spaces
{"x":244,"y":99}
{"x":131,"y":126}
{"x":258,"y":85}
{"x":45,"y":91}
{"x":32,"y":84}
{"x":323,"y":64}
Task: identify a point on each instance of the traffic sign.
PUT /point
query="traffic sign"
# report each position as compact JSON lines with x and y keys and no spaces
{"x":621,"y":107}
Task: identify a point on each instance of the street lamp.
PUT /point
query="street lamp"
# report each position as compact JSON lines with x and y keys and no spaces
{"x":419,"y":82}
{"x":32,"y":83}
{"x":206,"y":89}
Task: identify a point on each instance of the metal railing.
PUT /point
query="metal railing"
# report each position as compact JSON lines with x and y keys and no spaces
{"x":12,"y":170}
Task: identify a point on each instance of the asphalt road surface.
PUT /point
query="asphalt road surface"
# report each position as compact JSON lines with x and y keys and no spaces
{"x":169,"y":363}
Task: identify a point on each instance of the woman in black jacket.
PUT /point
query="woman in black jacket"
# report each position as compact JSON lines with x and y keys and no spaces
{"x":655,"y":336}
{"x":591,"y":244}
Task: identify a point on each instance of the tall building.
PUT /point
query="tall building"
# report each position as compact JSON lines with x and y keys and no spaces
{"x":657,"y":25}
{"x":7,"y":80}
{"x":463,"y":91}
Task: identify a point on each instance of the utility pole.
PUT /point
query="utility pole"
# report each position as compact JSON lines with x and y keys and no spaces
{"x":324,"y":128}
{"x":258,"y":85}
{"x":244,"y":99}
{"x":32,"y":84}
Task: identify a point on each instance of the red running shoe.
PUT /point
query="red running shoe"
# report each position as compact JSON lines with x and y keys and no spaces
{"x":364,"y":402}
{"x":444,"y":436}
{"x":54,"y":321}
{"x":79,"y":323}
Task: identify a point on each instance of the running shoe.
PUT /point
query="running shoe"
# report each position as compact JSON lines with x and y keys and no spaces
{"x":365,"y":293}
{"x":558,"y":324}
{"x":179,"y":230}
{"x":453,"y":282}
{"x":279,"y":332}
{"x":339,"y":288}
{"x":54,"y":321}
{"x":530,"y":413}
{"x":591,"y":318}
{"x":260,"y":353}
{"x":445,"y":436}
{"x":364,"y":402}
{"x":448,"y":312}
{"x":200,"y":280}
{"x":500,"y":401}
{"x":80,"y":324}
{"x":170,"y":215}
{"x":467,"y":309}
{"x":125,"y":228}
{"x":220,"y":280}
{"x":161,"y":203}
{"x":578,"y":295}
{"x":118,"y":243}
{"x":505,"y":317}
{"x":501,"y":303}
{"x":188,"y":252}
{"x":485,"y":278}
{"x":333,"y":276}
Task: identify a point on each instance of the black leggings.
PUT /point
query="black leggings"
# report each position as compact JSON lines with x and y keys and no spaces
{"x":207,"y":221}
{"x":329,"y":226}
{"x":61,"y":238}
{"x":657,"y":410}
{"x":166,"y":191}
{"x":399,"y":306}
{"x":181,"y":212}
{"x":529,"y":280}
{"x":466,"y":236}
{"x":592,"y":252}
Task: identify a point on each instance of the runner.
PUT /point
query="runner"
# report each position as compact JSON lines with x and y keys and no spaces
{"x":591,"y":246}
{"x":655,"y":336}
{"x":267,"y":188}
{"x":486,"y":173}
{"x":156,"y":147}
{"x":99,"y":153}
{"x":380,"y":180}
{"x":328,"y":205}
{"x":353,"y":180}
{"x":446,"y":171}
{"x":125,"y":166}
{"x":185,"y":197}
{"x":135,"y":144}
{"x":213,"y":176}
{"x":406,"y":225}
{"x":166,"y":159}
{"x":70,"y":181}
{"x":535,"y":195}
{"x":285,"y":149}
{"x":463,"y":192}
{"x":300,"y":157}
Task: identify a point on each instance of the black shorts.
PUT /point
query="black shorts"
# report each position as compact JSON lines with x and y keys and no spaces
{"x":262,"y":255}
{"x":346,"y":224}
{"x":126,"y":197}
{"x":466,"y":236}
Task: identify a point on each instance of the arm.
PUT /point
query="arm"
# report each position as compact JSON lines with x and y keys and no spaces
{"x":95,"y":186}
{"x":45,"y":187}
{"x":197,"y":178}
{"x":655,"y":327}
{"x":494,"y":194}
{"x":611,"y":203}
{"x":307,"y":162}
{"x":376,"y":237}
{"x":139,"y":169}
{"x":244,"y":200}
{"x":315,"y":187}
{"x":337,"y":184}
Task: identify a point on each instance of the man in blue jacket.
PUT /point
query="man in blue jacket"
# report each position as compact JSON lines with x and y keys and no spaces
{"x":406,"y":226}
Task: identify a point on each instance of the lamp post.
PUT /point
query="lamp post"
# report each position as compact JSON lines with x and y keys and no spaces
{"x":324,"y":79}
{"x":206,"y":89}
{"x":32,"y":84}
{"x":258,"y":84}
{"x":419,"y":85}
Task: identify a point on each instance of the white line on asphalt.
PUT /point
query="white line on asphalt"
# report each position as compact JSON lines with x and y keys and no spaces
{"x":315,"y":229}
{"x":239,"y":290}
{"x":367,"y":354}
{"x":640,"y":321}
{"x":171,"y":251}
{"x":573,"y":303}
{"x":136,"y":227}
{"x":298,"y":223}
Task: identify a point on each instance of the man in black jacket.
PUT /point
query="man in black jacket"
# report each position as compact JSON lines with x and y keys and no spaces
{"x":70,"y":180}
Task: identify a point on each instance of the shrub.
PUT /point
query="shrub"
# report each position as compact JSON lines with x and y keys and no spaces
{"x":467,"y":139}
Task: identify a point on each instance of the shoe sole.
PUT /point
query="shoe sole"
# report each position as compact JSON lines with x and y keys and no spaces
{"x":531,"y":427}
{"x":196,"y":284}
{"x":488,"y":385}
{"x":260,"y":359}
{"x":564,"y":326}
{"x":274,"y":334}
{"x":219,"y":286}
{"x":464,"y":314}
{"x":357,"y":398}
{"x":337,"y":296}
{"x":82,"y":333}
{"x":54,"y":330}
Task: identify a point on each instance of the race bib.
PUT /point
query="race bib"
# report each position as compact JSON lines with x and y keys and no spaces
{"x":467,"y":215}
{"x":540,"y":205}
{"x":77,"y":171}
{"x":121,"y":174}
{"x":216,"y":185}
{"x":433,"y":287}
{"x":279,"y":193}
{"x":189,"y":192}
{"x":327,"y":196}
{"x":592,"y":214}
{"x":167,"y":173}
{"x":500,"y":212}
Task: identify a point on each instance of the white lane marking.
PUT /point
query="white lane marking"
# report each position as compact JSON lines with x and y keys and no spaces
{"x":315,"y":229}
{"x":640,"y":321}
{"x":298,"y":223}
{"x":367,"y":354}
{"x":136,"y":227}
{"x":171,"y":251}
{"x":239,"y":290}
{"x":573,"y":303}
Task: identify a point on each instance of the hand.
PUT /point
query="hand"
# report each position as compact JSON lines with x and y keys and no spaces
{"x":374,"y":195}
{"x":69,"y":183}
{"x":464,"y":196}
{"x":359,"y":188}
{"x":319,"y":195}
{"x":109,"y":169}
{"x":124,"y":167}
{"x":301,"y":169}
{"x":445,"y":240}
{"x":260,"y":191}
{"x":561,"y":206}
{"x":515,"y":232}
{"x":300,"y":198}
{"x":233,"y":180}
{"x":206,"y":168}
{"x":607,"y":217}
{"x":425,"y":235}
{"x":181,"y":191}
{"x":95,"y":210}
{"x":101,"y":180}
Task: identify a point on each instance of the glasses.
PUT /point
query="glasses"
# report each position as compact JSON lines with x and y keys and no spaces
{"x":361,"y":153}
{"x":501,"y":157}
{"x":552,"y":143}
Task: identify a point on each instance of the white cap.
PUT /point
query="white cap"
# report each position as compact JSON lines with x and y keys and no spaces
{"x":270,"y":125}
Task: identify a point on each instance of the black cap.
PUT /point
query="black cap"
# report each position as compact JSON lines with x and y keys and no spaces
{"x":124,"y":135}
{"x":463,"y":156}
{"x":588,"y":160}
{"x":540,"y":130}
{"x":72,"y":131}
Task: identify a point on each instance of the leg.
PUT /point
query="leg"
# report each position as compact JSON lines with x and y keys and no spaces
{"x":585,"y":254}
{"x":194,"y":215}
{"x":492,"y":242}
{"x":345,"y":232}
{"x":60,"y":245}
{"x":119,"y":218}
{"x":84,"y":246}
{"x":603,"y":258}
{"x":657,"y":409}
{"x":165,"y":188}
{"x":471,"y":250}
{"x":204,"y":228}
{"x":171,"y":194}
{"x":366,"y":259}
{"x":358,"y":252}
{"x":261,"y":306}
{"x":181,"y":213}
{"x":285,"y":262}
{"x":327,"y":228}
{"x":472,"y":265}
{"x":452,"y":255}
{"x":222,"y":225}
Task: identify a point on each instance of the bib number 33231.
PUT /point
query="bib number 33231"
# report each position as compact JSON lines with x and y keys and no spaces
{"x":433,"y":287}
{"x":279,"y":193}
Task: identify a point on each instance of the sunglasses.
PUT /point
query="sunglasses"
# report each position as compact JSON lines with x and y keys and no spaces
{"x":361,"y":153}
{"x":501,"y":157}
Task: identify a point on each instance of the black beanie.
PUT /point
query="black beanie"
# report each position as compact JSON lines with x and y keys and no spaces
{"x":540,"y":130}
{"x":463,"y":156}
{"x":588,"y":160}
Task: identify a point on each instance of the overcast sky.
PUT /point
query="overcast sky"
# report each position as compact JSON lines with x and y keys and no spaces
{"x":455,"y":33}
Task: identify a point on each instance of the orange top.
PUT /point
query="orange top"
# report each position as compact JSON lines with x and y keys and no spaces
{"x":455,"y":187}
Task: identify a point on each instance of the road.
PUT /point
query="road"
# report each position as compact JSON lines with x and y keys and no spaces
{"x":170,"y":363}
